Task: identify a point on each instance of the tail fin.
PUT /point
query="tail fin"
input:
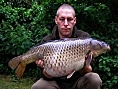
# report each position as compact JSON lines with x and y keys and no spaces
{"x":20,"y":70}
{"x":13,"y":63}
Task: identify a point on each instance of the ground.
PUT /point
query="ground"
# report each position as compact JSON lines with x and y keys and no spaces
{"x":10,"y":82}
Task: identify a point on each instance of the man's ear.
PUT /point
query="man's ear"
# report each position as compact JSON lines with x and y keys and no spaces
{"x":75,"y":20}
{"x":56,"y":19}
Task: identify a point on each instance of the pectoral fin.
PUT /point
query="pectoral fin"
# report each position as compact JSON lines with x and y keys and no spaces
{"x":20,"y":70}
{"x":89,"y":59}
{"x":70,"y":75}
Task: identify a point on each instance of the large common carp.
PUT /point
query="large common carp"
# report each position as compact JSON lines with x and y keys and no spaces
{"x":61,"y":57}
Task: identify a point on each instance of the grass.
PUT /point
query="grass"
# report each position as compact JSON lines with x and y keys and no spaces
{"x":8,"y":82}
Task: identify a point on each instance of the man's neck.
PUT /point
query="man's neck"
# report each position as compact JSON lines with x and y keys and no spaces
{"x":67,"y":36}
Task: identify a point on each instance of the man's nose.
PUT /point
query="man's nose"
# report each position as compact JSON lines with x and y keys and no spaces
{"x":66,"y":22}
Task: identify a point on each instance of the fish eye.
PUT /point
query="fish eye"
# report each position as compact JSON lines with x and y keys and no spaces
{"x":103,"y":43}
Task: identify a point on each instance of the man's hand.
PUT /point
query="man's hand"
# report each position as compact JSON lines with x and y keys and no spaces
{"x":85,"y":69}
{"x":41,"y":64}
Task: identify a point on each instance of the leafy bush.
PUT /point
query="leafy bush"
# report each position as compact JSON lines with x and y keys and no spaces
{"x":106,"y":65}
{"x":21,"y":29}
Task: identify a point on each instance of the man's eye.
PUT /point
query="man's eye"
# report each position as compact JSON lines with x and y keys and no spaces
{"x":69,"y":19}
{"x":61,"y":19}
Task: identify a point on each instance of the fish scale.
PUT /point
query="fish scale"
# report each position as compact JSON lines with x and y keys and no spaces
{"x":64,"y":55}
{"x":61,"y":57}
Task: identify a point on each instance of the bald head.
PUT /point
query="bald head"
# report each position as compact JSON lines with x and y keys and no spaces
{"x":65,"y":6}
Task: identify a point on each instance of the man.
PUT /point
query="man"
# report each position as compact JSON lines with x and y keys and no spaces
{"x":65,"y":28}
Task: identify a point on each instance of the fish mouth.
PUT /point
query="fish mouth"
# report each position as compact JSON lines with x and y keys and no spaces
{"x":108,"y":48}
{"x":97,"y":53}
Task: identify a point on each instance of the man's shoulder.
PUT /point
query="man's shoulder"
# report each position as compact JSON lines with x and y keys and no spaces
{"x":46,"y":39}
{"x":80,"y":33}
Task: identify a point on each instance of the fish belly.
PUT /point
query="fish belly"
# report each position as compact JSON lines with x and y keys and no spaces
{"x":64,"y":62}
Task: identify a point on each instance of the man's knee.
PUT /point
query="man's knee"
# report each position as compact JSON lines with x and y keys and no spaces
{"x":39,"y":85}
{"x":34,"y":86}
{"x":93,"y":78}
{"x":43,"y":84}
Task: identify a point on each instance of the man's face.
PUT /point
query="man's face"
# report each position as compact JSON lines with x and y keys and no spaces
{"x":65,"y":22}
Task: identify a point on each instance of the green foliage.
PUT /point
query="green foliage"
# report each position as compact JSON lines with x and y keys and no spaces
{"x":107,"y":67}
{"x":23,"y":24}
{"x":97,"y":15}
{"x":20,"y":29}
